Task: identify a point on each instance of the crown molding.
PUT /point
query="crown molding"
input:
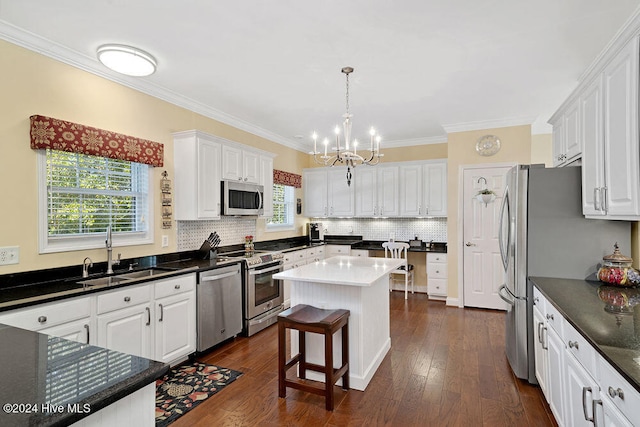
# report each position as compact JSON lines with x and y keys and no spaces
{"x":488,"y":124}
{"x":440,"y":139}
{"x":56,"y":51}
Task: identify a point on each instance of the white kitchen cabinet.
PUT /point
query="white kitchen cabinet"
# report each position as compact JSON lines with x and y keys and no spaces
{"x":437,"y":276}
{"x":70,"y":319}
{"x":555,"y":373}
{"x":567,"y":142}
{"x":340,"y":196}
{"x":609,"y":415}
{"x":266,"y":180}
{"x":316,"y":187}
{"x":239,"y":164}
{"x":581,"y":390}
{"x":326,"y":193}
{"x":175,"y":318}
{"x":359,"y":252}
{"x":423,"y":189}
{"x":196,"y":157}
{"x":125,"y":320}
{"x":609,"y":129}
{"x":619,"y":399}
{"x":593,"y":148}
{"x":335,"y":250}
{"x":294,"y":259}
{"x":376,"y":191}
{"x":539,"y":345}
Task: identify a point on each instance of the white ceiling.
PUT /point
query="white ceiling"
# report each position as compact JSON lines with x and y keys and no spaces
{"x":422,"y":67}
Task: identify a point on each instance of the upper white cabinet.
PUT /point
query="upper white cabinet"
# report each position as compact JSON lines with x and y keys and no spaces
{"x":326,"y":192}
{"x":266,"y":180}
{"x":567,"y":138}
{"x":240,"y":164}
{"x":196,"y":156}
{"x":401,"y":189}
{"x":376,"y":192}
{"x":201,"y":161}
{"x":602,"y":115}
{"x":423,"y":189}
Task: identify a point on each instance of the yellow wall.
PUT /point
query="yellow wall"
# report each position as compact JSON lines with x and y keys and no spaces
{"x":515,"y":148}
{"x":35,"y":84}
{"x":542,"y":149}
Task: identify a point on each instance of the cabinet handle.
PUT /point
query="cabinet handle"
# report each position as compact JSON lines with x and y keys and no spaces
{"x":161,"y":313}
{"x":246,"y":179}
{"x":177,"y":287}
{"x":42,"y":319}
{"x":543,"y":347}
{"x":87,"y":328}
{"x":573,"y":344}
{"x":127,"y":299}
{"x":549,"y":316}
{"x":596,"y":199}
{"x":536,"y":300}
{"x":539,"y":332}
{"x":616,"y":393}
{"x":594,"y":403}
{"x":419,"y":209}
{"x":605,"y":202}
{"x":148,"y":315}
{"x":239,"y":178}
{"x":586,"y":390}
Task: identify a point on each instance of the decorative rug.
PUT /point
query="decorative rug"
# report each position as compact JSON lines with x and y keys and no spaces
{"x":186,"y":386}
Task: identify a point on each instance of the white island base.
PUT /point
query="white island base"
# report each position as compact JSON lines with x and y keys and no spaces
{"x":360,"y":285}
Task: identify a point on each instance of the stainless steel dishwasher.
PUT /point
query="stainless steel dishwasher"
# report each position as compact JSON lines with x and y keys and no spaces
{"x":219,"y":295}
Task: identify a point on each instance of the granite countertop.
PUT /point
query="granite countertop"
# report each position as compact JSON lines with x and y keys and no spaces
{"x":38,"y":370}
{"x":376,"y":245}
{"x":615,"y":336}
{"x":342,"y":270}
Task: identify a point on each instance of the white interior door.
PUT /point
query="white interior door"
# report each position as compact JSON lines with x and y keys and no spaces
{"x":482,"y":266}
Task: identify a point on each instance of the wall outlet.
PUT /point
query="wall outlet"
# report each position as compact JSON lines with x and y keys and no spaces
{"x":165,"y":241}
{"x":9,"y":255}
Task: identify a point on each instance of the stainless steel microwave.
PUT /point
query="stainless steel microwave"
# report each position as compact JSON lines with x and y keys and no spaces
{"x":241,"y":198}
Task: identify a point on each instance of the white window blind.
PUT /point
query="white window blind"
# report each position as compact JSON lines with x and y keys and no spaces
{"x":88,"y":193}
{"x":85,"y":194}
{"x":282,"y":207}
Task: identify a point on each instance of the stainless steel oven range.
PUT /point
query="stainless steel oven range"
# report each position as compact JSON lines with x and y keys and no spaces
{"x":263,"y":295}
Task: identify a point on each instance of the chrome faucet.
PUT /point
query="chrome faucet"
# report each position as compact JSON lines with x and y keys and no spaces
{"x":85,"y":267}
{"x":110,"y":262}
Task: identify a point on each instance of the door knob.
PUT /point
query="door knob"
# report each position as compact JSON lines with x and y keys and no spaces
{"x":469,"y":244}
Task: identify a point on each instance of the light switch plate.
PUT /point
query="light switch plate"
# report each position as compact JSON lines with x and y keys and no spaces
{"x":9,"y":255}
{"x":165,"y":241}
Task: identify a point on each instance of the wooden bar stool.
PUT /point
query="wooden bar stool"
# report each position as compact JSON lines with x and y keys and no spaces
{"x":305,"y":318}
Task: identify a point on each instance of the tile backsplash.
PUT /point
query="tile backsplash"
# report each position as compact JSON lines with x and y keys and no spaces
{"x":191,"y":234}
{"x":381,"y":229}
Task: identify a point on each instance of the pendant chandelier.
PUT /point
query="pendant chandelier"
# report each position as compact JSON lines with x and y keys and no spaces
{"x":346,"y":152}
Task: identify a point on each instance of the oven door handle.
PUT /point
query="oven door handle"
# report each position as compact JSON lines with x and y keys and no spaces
{"x":218,"y":277}
{"x":266,"y":270}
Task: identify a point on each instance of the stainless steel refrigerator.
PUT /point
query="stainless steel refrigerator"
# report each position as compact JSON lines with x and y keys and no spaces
{"x":543,"y":233}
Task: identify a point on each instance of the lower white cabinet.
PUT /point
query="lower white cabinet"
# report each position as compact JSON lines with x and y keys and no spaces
{"x":581,"y":387}
{"x":71,"y":319}
{"x":335,"y":250}
{"x":437,"y":275}
{"x":175,"y":319}
{"x":296,"y":259}
{"x":127,"y":330}
{"x":359,"y":252}
{"x":156,"y":320}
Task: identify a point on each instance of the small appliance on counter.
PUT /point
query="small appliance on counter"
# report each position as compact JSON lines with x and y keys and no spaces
{"x":316,"y":232}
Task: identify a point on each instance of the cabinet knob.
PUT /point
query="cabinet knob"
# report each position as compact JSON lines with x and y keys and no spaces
{"x":616,"y":393}
{"x":127,"y":299}
{"x":42,"y":319}
{"x":177,"y":286}
{"x":549,"y":316}
{"x":573,"y":344}
{"x":536,"y":300}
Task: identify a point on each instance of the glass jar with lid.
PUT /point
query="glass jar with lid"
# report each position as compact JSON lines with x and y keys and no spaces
{"x":616,"y":270}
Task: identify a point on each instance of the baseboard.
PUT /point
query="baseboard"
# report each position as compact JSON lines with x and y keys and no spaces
{"x":454,"y":302}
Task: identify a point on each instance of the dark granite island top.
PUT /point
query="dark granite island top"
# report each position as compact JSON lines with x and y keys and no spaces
{"x":41,"y":372}
{"x":615,"y":336}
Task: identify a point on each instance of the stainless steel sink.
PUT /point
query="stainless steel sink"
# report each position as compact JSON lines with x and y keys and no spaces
{"x":144,"y":273}
{"x":103,"y":281}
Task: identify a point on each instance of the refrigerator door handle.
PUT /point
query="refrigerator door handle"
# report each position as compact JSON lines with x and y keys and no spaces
{"x":504,"y":297}
{"x":504,"y":210}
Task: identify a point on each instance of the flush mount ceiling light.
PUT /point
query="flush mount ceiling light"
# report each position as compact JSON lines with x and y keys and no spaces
{"x":347,"y":154}
{"x":127,"y":60}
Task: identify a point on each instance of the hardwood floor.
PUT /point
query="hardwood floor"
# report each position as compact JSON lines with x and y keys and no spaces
{"x":447,"y":366}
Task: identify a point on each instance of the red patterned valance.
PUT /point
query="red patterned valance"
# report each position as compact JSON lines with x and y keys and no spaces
{"x":68,"y":136}
{"x":287,"y":178}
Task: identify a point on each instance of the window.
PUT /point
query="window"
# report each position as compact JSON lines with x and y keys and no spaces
{"x":283,"y":208}
{"x":82,"y":195}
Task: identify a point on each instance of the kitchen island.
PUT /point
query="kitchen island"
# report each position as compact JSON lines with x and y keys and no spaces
{"x":50,"y":381}
{"x":357,"y":284}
